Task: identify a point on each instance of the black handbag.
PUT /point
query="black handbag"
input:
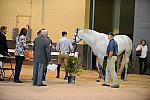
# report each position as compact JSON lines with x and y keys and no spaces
{"x":138,"y":53}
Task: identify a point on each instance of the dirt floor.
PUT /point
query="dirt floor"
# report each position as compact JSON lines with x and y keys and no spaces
{"x":86,"y":88}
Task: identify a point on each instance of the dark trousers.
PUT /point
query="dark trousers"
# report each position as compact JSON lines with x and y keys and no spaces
{"x":44,"y":73}
{"x":19,"y":62}
{"x":143,"y":63}
{"x":58,"y":71}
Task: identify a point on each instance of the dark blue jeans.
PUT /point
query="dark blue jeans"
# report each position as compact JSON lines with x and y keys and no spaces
{"x":19,"y":62}
{"x":39,"y":73}
{"x":44,"y":72}
{"x":143,"y":68}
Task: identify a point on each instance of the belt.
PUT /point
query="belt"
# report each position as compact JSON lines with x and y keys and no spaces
{"x":65,"y":52}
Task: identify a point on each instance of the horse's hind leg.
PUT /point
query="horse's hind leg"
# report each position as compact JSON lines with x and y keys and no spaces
{"x":126,"y":67}
{"x":119,"y":62}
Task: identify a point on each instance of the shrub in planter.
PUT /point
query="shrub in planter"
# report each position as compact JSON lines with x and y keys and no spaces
{"x":72,"y":68}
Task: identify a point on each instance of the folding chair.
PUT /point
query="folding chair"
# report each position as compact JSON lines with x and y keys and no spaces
{"x":3,"y":68}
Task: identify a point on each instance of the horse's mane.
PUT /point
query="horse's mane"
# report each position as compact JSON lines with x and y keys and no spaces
{"x":88,"y":31}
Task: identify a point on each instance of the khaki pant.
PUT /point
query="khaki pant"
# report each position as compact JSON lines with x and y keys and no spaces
{"x":110,"y":70}
{"x":62,"y":59}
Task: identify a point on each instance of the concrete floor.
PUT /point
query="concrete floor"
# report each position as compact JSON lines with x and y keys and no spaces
{"x":136,"y":88}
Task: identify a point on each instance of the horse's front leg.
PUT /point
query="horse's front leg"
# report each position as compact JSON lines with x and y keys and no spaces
{"x":99,"y":65}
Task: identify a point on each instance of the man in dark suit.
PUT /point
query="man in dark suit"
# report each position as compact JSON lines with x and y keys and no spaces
{"x":3,"y":44}
{"x":41,"y":52}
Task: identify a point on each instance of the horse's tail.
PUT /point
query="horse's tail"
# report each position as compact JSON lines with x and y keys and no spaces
{"x":128,"y":52}
{"x":123,"y":52}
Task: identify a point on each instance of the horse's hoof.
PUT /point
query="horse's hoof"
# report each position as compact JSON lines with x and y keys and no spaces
{"x":124,"y":79}
{"x":97,"y":80}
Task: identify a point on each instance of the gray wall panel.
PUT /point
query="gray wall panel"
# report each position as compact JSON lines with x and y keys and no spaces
{"x":141,"y":28}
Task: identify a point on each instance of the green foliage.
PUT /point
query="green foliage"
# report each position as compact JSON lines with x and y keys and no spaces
{"x":131,"y":68}
{"x":72,"y":66}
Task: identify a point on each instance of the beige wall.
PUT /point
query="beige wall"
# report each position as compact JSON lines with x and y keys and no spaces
{"x":59,"y":15}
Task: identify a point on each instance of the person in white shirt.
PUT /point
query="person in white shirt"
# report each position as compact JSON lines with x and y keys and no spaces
{"x":143,"y":57}
{"x":64,"y":46}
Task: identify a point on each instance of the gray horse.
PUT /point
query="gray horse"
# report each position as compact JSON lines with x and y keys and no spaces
{"x":99,"y":41}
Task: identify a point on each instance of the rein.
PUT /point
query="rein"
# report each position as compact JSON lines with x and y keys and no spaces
{"x":76,"y":35}
{"x":75,"y":40}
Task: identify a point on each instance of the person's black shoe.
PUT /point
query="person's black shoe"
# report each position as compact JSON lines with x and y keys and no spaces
{"x":2,"y":79}
{"x":115,"y":86}
{"x":105,"y":84}
{"x":34,"y":84}
{"x":145,"y":74}
{"x":41,"y":85}
{"x":66,"y":78}
{"x":20,"y":81}
{"x":17,"y":81}
{"x":97,"y":80}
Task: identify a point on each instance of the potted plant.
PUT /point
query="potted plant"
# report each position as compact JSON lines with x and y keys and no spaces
{"x":72,"y":68}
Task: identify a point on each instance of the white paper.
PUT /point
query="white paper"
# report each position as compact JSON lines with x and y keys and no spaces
{"x":52,"y":67}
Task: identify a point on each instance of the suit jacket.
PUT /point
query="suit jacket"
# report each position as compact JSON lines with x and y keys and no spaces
{"x":50,"y":42}
{"x":3,"y":44}
{"x":41,"y":50}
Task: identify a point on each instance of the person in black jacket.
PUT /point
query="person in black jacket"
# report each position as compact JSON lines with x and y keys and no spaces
{"x":3,"y":44}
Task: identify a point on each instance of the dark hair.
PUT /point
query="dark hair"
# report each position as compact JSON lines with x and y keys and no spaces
{"x":110,"y":33}
{"x":3,"y":28}
{"x":142,"y":41}
{"x":40,"y":31}
{"x":23,"y":32}
{"x":64,"y":33}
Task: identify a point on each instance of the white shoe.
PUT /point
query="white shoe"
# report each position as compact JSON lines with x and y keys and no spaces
{"x":44,"y":82}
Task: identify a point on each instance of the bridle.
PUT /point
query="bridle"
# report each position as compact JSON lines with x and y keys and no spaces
{"x":76,"y":35}
{"x":75,"y":39}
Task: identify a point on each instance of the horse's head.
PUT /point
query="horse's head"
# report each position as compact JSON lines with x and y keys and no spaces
{"x":77,"y":38}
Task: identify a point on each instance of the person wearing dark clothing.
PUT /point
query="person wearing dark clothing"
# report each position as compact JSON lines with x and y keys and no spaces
{"x":41,"y":52}
{"x":19,"y":53}
{"x":50,"y":44}
{"x":45,"y":68}
{"x":143,"y":57}
{"x":3,"y":42}
{"x":3,"y":45}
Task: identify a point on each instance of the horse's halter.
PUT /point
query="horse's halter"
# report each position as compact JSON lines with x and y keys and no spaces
{"x":76,"y":36}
